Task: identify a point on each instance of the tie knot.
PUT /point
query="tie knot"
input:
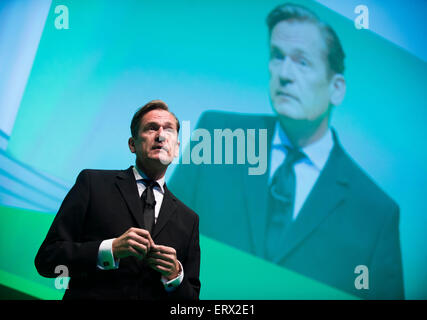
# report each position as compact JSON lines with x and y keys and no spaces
{"x":148,"y":194}
{"x":149,"y":183}
{"x":293,"y":155}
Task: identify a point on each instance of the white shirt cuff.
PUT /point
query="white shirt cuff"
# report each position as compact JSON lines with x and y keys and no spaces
{"x":171,"y":285}
{"x":105,"y":256}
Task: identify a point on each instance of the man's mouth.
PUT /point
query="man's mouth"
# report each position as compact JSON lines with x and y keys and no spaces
{"x":160,"y":148}
{"x":285,"y":95}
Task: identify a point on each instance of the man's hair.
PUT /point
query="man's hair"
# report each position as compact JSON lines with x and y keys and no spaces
{"x":293,"y":12}
{"x":150,"y":106}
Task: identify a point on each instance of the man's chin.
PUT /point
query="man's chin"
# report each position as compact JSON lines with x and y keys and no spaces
{"x":288,"y":111}
{"x":161,"y":159}
{"x":165,"y":161}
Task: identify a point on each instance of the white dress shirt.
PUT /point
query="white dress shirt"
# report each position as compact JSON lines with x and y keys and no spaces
{"x":307,"y":170}
{"x":105,"y":254}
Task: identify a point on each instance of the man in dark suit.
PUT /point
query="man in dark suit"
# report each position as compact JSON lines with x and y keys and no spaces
{"x":313,"y":210}
{"x":122,"y":234}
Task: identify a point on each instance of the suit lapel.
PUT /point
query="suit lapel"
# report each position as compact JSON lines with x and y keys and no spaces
{"x":327,"y":194}
{"x":256,"y":193}
{"x":126,"y":184}
{"x":166,"y":210}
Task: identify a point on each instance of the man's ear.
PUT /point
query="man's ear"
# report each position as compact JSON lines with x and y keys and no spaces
{"x":131,"y":144}
{"x":337,"y":89}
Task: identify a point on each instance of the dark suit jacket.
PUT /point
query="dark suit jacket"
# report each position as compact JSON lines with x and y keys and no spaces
{"x":346,"y":220}
{"x":103,"y":204}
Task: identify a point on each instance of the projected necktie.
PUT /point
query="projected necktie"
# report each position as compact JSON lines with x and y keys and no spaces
{"x":281,"y":203}
{"x":148,"y":204}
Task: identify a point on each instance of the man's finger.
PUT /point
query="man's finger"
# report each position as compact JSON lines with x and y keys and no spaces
{"x":164,"y":271}
{"x":139,"y":247}
{"x":139,"y":239}
{"x":162,"y":256}
{"x":152,"y":244}
{"x":160,"y":262}
{"x":135,"y":253}
{"x":164,"y":249}
{"x":142,"y":233}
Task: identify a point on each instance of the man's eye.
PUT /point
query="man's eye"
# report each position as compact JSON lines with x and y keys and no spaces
{"x":276,"y":55}
{"x":302,"y":61}
{"x":151,"y":128}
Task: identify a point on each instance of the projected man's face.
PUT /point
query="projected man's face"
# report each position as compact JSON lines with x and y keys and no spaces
{"x":157,"y":141}
{"x":299,"y":84}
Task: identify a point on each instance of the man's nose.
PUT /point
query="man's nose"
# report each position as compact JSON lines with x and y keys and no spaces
{"x":286,"y":72}
{"x":160,"y":135}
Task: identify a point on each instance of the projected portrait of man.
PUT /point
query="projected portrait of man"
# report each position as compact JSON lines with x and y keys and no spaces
{"x":314,"y":210}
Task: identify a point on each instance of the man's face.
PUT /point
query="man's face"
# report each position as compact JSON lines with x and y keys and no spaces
{"x":157,"y":140}
{"x":299,"y":84}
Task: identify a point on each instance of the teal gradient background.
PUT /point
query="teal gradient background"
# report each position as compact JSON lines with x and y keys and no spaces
{"x":86,"y":82}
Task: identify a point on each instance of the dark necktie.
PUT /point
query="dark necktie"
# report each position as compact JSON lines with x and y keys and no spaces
{"x":281,"y":203}
{"x":148,"y":204}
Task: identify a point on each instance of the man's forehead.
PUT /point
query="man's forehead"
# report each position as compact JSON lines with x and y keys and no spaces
{"x":158,"y":116}
{"x":301,"y":35}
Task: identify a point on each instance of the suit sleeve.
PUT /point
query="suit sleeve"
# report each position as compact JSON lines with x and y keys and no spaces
{"x":64,"y":243}
{"x":189,"y":289}
{"x":385,"y":272}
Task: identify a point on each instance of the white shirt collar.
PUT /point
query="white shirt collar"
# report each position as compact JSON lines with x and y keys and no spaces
{"x":317,"y":153}
{"x":140,"y":175}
